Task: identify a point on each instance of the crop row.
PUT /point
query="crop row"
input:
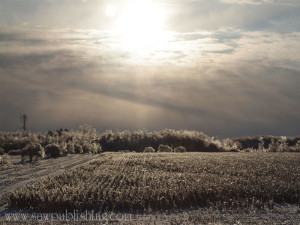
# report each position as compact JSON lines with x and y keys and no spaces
{"x":154,"y":181}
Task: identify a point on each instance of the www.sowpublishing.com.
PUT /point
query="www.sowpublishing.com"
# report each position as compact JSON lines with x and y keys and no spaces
{"x":75,"y":216}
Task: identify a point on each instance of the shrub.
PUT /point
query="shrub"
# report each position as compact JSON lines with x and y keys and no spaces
{"x":164,"y":148}
{"x":88,"y":148}
{"x":296,"y":147}
{"x":23,"y":142}
{"x":180,"y":149}
{"x":149,"y":149}
{"x":249,"y":150}
{"x":70,"y":148}
{"x":50,"y":133}
{"x":63,"y":147}
{"x":53,"y":150}
{"x":97,"y":147}
{"x":78,"y":149}
{"x":4,"y":160}
{"x":283,"y":145}
{"x":15,"y":152}
{"x":124,"y":151}
{"x":1,"y":151}
{"x":273,"y":146}
{"x":31,"y":150}
{"x":212,"y":147}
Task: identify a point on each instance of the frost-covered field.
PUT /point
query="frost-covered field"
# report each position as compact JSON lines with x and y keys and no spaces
{"x":178,"y":188}
{"x":18,"y":174}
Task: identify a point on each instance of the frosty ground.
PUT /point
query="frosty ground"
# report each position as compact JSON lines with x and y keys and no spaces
{"x":18,"y":175}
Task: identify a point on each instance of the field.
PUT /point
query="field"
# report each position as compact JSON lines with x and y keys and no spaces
{"x":171,"y":182}
{"x":18,"y":174}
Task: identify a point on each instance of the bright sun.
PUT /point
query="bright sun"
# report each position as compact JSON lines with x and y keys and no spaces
{"x":110,"y":10}
{"x":141,"y":24}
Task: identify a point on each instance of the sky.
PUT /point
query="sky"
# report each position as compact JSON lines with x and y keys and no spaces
{"x":228,"y":68}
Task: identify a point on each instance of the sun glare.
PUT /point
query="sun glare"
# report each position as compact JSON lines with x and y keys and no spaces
{"x":141,"y":24}
{"x":110,"y":10}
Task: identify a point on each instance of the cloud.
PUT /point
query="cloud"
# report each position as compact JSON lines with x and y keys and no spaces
{"x":229,"y":82}
{"x":181,"y":16}
{"x":226,"y":69}
{"x":259,"y":2}
{"x":276,"y":16}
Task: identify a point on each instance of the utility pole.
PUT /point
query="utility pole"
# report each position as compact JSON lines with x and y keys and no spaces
{"x":23,"y":119}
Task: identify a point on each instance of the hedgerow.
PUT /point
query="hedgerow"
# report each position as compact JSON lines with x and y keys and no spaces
{"x":87,"y":140}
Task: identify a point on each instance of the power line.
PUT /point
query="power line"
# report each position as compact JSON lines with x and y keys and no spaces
{"x":23,"y":119}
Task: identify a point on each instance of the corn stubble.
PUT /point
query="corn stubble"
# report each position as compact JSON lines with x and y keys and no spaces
{"x":167,"y":181}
